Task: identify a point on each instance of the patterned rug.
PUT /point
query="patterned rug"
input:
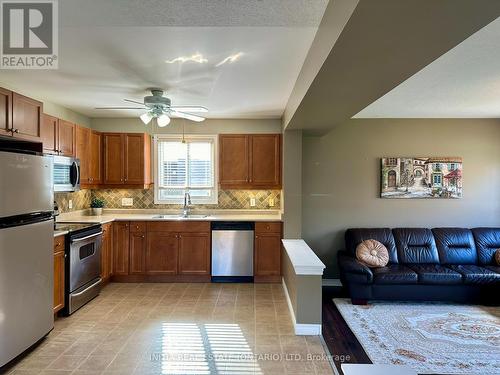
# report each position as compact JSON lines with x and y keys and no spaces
{"x":431,"y":338}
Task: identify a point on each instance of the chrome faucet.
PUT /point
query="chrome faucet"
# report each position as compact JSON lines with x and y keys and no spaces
{"x":187,"y":203}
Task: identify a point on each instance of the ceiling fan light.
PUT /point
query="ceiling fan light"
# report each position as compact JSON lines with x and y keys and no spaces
{"x":146,"y":118}
{"x":163,"y":120}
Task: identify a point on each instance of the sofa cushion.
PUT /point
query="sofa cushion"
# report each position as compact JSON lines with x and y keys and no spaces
{"x":487,"y":242}
{"x":497,"y":257}
{"x":415,"y":245}
{"x":394,"y":274}
{"x":473,"y":274}
{"x":372,"y":253}
{"x":354,"y":236}
{"x":435,"y":274}
{"x":455,"y":245}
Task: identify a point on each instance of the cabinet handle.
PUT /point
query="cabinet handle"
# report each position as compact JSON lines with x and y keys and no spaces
{"x":16,"y":130}
{"x":256,"y":236}
{"x":142,"y":236}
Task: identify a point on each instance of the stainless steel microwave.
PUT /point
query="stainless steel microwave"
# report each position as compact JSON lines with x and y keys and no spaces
{"x":66,"y":173}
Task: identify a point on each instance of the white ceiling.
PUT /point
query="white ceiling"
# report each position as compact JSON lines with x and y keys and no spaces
{"x":462,"y":83}
{"x":107,"y":53}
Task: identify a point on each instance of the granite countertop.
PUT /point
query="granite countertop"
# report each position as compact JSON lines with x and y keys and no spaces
{"x":172,"y":215}
{"x":58,"y":233}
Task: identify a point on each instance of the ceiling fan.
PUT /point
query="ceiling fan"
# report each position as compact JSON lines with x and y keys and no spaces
{"x":160,"y":107}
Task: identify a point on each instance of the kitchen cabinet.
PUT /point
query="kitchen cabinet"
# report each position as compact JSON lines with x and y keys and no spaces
{"x":66,"y":138}
{"x":5,"y":112}
{"x":161,"y":253}
{"x":48,"y":134}
{"x":95,"y":172}
{"x":121,"y":248}
{"x":127,"y":159}
{"x":137,"y":257}
{"x":250,"y":161}
{"x":82,"y":152}
{"x":194,"y":253}
{"x":107,"y":252}
{"x":26,"y":117}
{"x":59,"y":262}
{"x":267,"y":252}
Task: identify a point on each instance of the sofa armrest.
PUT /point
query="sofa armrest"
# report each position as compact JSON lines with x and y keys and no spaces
{"x":353,"y":270}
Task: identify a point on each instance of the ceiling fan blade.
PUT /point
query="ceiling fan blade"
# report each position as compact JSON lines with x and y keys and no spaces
{"x":133,"y":101}
{"x":187,"y":116}
{"x":119,"y":108}
{"x":189,"y":108}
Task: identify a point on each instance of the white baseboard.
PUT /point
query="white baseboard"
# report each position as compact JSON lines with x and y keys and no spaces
{"x":300,"y":329}
{"x":332,"y":282}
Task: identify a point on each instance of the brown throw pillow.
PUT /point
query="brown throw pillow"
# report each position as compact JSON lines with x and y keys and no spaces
{"x":497,"y":257}
{"x":372,"y":253}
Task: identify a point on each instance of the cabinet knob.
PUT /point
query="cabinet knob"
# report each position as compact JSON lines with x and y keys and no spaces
{"x":142,"y":236}
{"x":16,"y":130}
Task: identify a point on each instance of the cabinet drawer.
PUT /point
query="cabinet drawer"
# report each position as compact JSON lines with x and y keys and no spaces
{"x":178,"y":226}
{"x":58,"y":244}
{"x":267,"y":227}
{"x":137,"y":226}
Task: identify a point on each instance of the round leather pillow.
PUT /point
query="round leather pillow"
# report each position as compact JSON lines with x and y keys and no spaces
{"x":497,"y":257}
{"x":372,"y":253}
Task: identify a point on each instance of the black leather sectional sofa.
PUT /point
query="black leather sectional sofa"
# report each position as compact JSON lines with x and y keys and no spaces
{"x":447,"y":264}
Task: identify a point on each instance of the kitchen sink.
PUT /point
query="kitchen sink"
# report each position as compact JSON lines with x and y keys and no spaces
{"x":180,"y":217}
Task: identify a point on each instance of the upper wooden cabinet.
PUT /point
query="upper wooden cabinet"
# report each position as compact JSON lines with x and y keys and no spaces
{"x":82,"y":152}
{"x":66,"y":138}
{"x":127,"y":159}
{"x":95,"y":172}
{"x":48,"y":134}
{"x":5,"y":111}
{"x":250,"y":161}
{"x":26,"y":117}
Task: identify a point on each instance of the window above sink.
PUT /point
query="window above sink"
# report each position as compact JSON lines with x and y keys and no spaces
{"x":185,"y":164}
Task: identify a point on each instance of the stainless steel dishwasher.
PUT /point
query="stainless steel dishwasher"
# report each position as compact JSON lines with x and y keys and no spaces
{"x":232,"y":251}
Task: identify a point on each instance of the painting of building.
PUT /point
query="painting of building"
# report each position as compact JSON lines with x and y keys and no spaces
{"x":432,"y":177}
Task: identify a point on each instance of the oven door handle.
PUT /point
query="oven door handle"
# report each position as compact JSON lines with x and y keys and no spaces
{"x":87,"y":288}
{"x":87,"y":237}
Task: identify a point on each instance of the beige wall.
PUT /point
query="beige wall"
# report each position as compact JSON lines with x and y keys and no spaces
{"x":209,"y":126}
{"x":341,"y":178}
{"x":292,"y":183}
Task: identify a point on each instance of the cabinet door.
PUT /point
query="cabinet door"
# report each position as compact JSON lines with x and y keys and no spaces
{"x":134,"y":158}
{"x":82,"y":152}
{"x":267,"y":255}
{"x":95,"y":157}
{"x":26,"y":117}
{"x":120,"y":248}
{"x":48,"y":133}
{"x":107,"y":252}
{"x":233,"y":160}
{"x":113,"y":159}
{"x":137,"y":253}
{"x":66,"y":138}
{"x":194,"y":254}
{"x":265,"y":161}
{"x":5,"y":111}
{"x":58,"y":281}
{"x":161,"y":253}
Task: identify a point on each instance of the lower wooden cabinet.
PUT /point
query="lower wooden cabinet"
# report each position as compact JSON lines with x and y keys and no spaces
{"x":194,"y":253}
{"x":107,"y":252}
{"x":59,"y":261}
{"x":267,"y":252}
{"x":121,"y":248}
{"x":137,"y":253}
{"x":161,"y":253}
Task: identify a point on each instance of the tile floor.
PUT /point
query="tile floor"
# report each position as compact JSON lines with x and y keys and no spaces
{"x":234,"y":329}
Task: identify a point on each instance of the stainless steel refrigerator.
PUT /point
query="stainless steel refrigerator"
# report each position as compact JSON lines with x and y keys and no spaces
{"x":26,"y":248}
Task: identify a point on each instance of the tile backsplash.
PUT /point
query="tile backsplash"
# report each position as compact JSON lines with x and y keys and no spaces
{"x":144,"y":199}
{"x":80,"y":200}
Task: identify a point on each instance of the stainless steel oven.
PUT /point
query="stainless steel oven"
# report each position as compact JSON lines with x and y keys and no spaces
{"x":83,"y":264}
{"x":66,"y":173}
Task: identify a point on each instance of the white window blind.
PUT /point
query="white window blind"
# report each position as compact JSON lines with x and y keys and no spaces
{"x":182,"y":167}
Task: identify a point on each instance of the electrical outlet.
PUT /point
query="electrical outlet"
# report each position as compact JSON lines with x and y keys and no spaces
{"x":70,"y":204}
{"x":127,"y":202}
{"x":252,"y":202}
{"x":271,"y":202}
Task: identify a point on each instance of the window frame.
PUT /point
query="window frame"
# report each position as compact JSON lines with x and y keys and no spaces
{"x":178,"y":137}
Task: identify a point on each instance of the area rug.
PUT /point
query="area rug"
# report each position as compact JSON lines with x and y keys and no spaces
{"x":431,"y":338}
